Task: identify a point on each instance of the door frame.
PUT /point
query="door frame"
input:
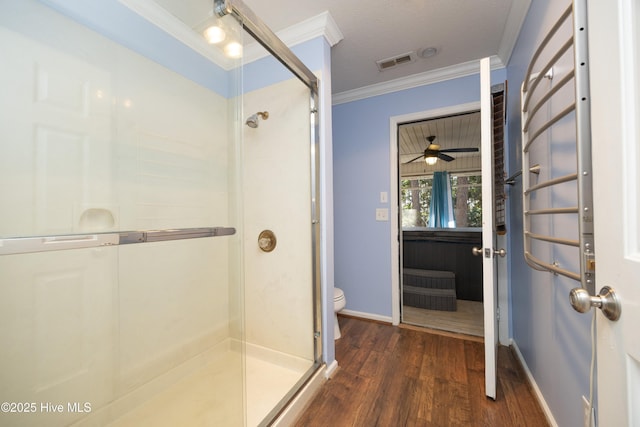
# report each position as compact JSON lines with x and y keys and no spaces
{"x":394,"y":168}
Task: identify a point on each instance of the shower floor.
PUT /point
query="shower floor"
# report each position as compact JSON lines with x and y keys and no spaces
{"x":212,"y":395}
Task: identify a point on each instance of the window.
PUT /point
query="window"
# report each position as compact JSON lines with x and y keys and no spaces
{"x":466,"y":189}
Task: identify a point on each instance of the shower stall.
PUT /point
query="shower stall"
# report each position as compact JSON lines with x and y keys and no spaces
{"x":158,"y":256}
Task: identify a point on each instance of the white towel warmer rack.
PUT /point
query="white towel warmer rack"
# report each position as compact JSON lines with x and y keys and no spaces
{"x":540,"y":205}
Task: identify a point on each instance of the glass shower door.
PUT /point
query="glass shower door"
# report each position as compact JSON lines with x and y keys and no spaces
{"x":280,"y":223}
{"x":107,"y":147}
{"x":279,"y":300}
{"x":134,"y":288}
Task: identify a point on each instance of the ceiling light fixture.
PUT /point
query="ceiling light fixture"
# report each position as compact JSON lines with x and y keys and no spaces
{"x":431,"y":160}
{"x":233,"y":50}
{"x":214,"y":34}
{"x":427,"y":52}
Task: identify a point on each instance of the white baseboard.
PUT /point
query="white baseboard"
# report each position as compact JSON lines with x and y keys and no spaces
{"x":331,"y":369}
{"x":536,"y":389}
{"x":370,"y":316}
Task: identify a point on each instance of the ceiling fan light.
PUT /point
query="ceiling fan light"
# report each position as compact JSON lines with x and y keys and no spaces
{"x":431,"y":160}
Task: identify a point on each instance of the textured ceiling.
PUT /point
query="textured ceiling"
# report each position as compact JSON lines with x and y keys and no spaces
{"x":461,"y":30}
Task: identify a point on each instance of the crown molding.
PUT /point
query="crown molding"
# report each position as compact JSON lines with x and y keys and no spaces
{"x":421,"y":79}
{"x":515,"y":20}
{"x":321,"y":25}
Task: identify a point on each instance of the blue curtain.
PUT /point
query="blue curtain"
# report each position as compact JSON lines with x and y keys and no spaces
{"x":441,"y":206}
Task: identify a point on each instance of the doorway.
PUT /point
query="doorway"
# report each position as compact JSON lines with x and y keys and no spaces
{"x":440,"y":218}
{"x":444,"y":251}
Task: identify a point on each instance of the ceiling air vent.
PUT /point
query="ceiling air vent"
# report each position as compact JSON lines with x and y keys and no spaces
{"x":405,"y":58}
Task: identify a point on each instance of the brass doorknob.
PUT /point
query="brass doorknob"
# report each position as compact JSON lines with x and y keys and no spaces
{"x":267,"y":241}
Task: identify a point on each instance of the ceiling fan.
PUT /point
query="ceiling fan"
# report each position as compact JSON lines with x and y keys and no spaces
{"x":433,"y":152}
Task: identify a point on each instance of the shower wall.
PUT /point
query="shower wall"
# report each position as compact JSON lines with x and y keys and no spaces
{"x":277,"y":178}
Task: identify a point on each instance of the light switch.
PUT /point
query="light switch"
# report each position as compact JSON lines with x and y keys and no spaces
{"x":384,"y":197}
{"x":382,"y":214}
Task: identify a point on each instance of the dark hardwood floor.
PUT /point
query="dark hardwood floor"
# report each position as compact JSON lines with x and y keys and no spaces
{"x":394,"y":376}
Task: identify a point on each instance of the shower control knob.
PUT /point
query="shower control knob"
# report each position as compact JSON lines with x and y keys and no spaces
{"x":606,"y":300}
{"x":267,"y":241}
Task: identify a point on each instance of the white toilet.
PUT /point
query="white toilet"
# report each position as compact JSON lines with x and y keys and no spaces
{"x":338,"y":304}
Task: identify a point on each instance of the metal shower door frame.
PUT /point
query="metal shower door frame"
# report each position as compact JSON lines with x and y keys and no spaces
{"x":267,"y":39}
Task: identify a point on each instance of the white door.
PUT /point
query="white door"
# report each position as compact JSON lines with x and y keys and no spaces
{"x":614,"y":43}
{"x":489,"y":274}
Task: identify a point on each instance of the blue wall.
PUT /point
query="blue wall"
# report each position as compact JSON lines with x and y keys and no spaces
{"x":553,"y":339}
{"x":361,"y":162}
{"x":268,"y":70}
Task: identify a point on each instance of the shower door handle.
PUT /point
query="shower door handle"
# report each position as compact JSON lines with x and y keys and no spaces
{"x":21,"y":245}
